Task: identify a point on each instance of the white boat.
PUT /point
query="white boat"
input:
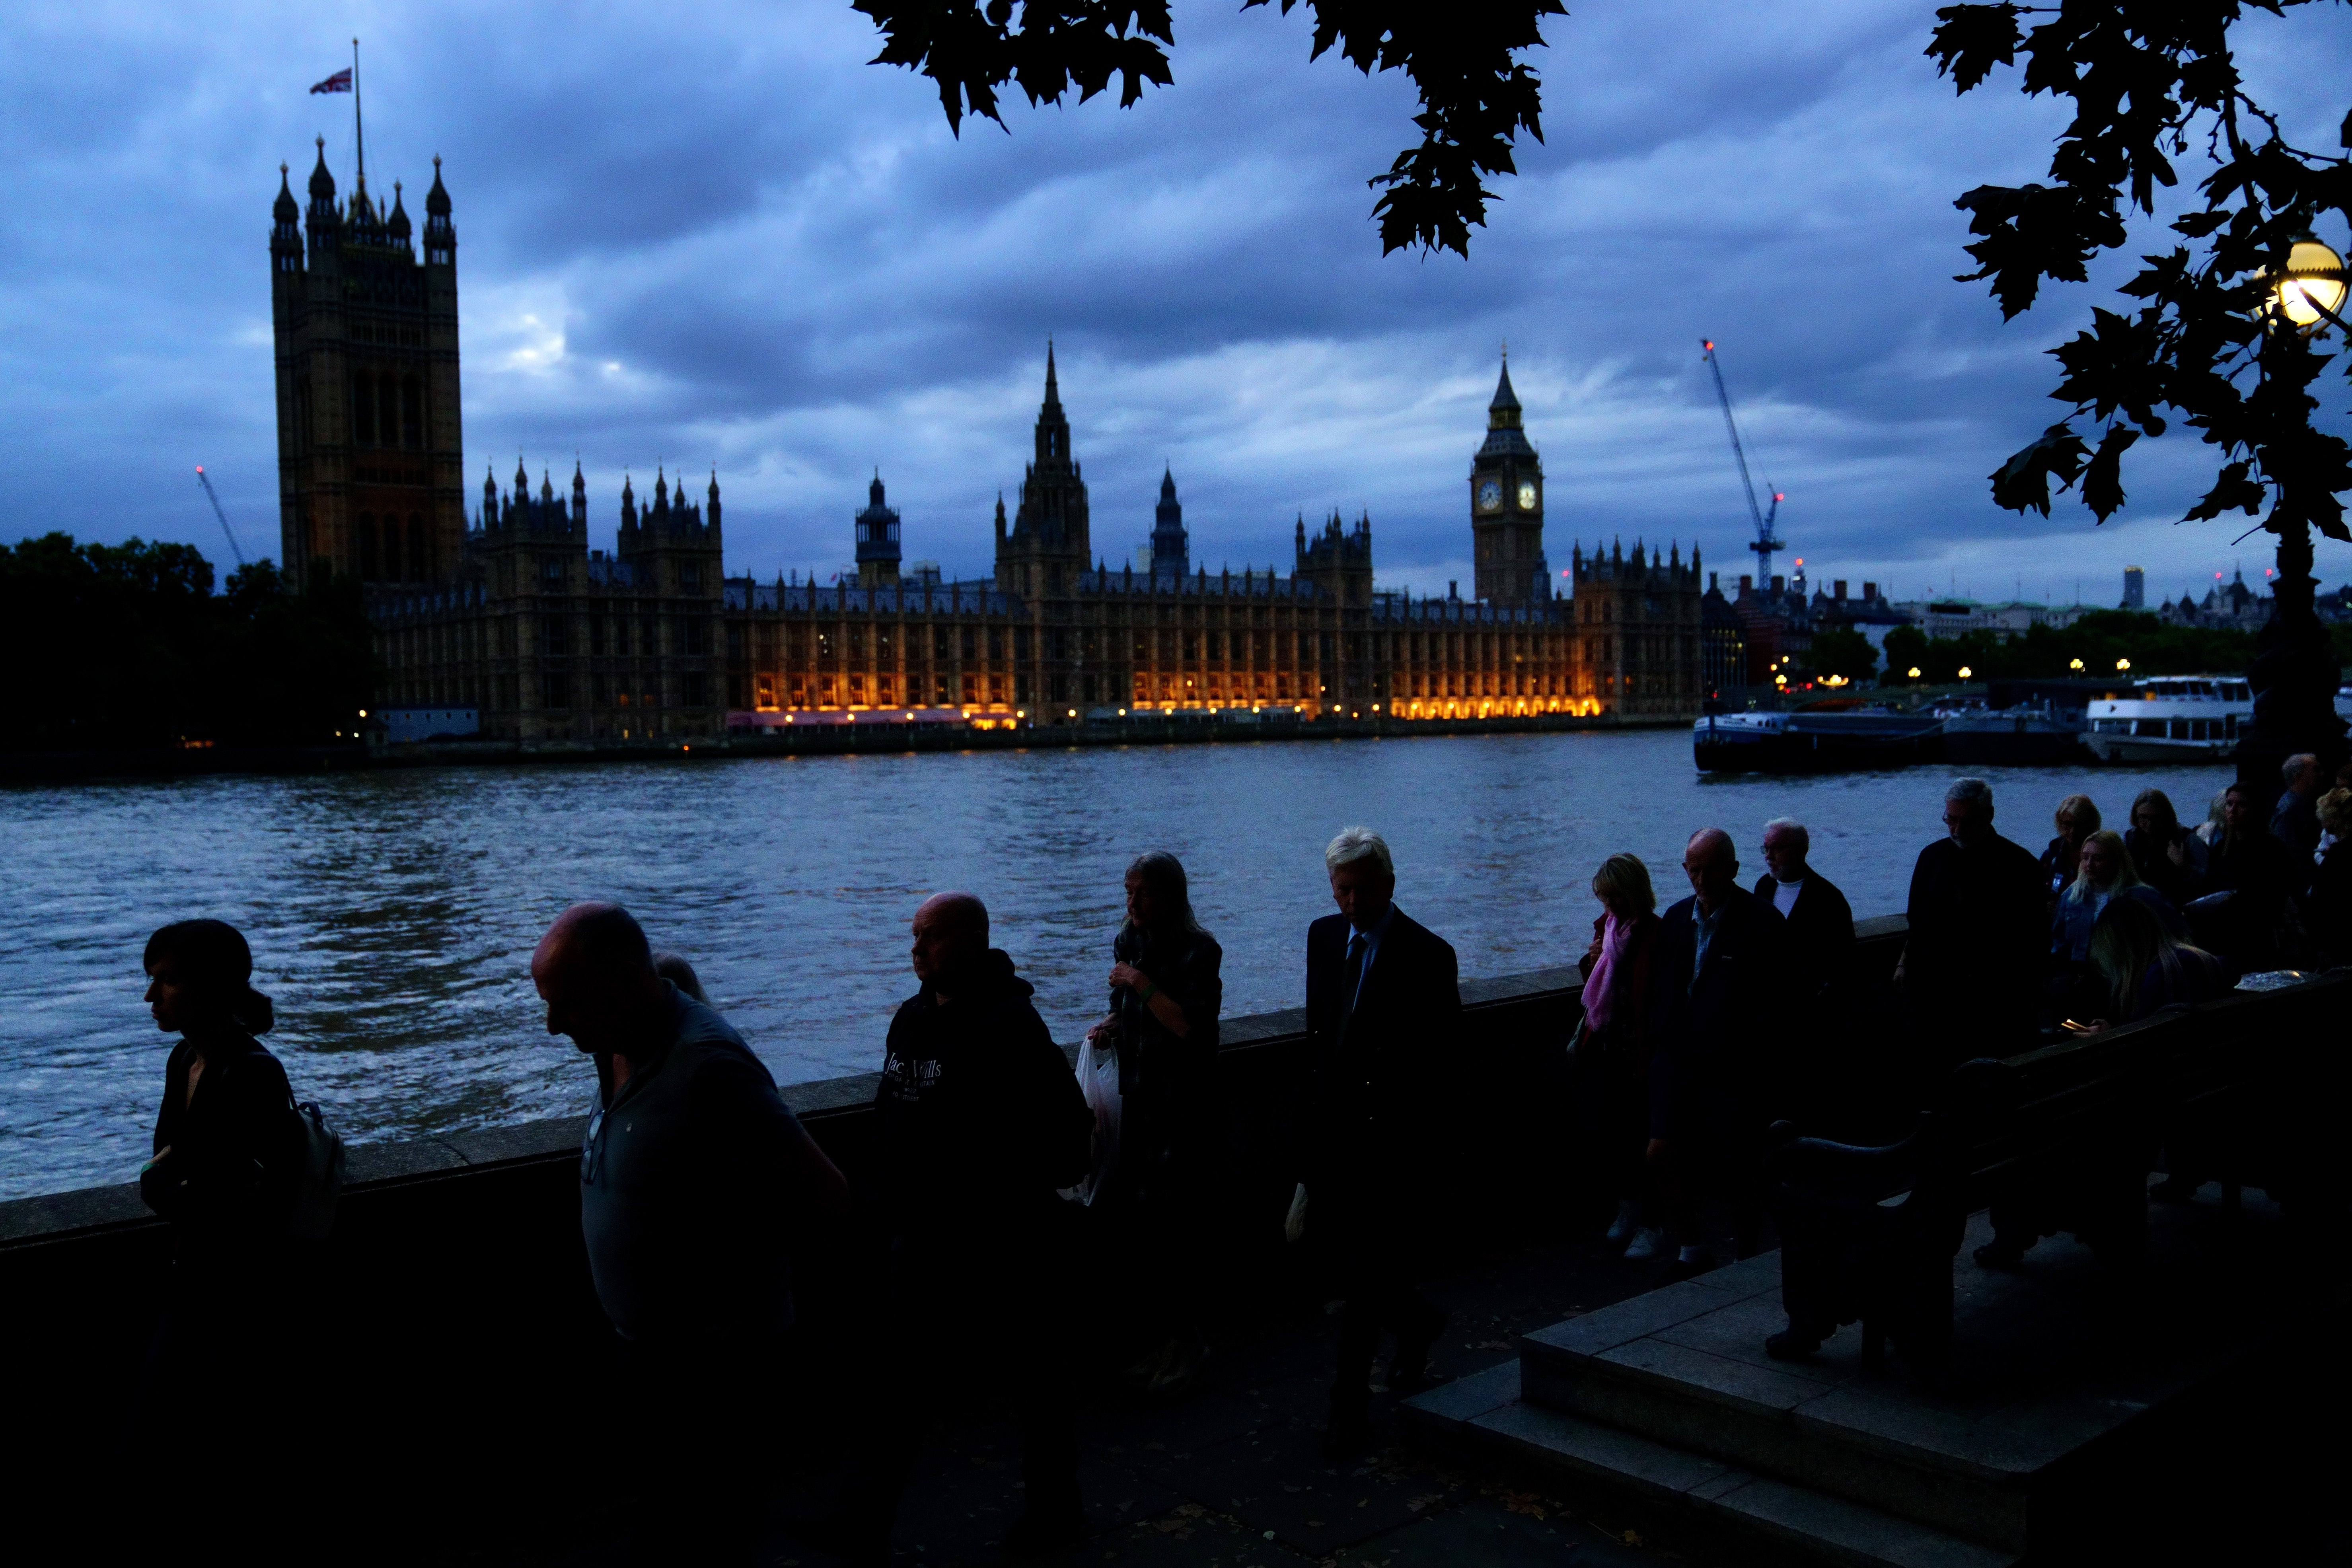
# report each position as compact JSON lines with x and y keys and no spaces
{"x":2171,"y":718}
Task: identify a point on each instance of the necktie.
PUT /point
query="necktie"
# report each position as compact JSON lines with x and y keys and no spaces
{"x":1352,"y":980}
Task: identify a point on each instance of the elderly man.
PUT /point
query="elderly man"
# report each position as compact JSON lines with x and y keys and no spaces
{"x":692,"y":1179}
{"x":1974,"y":961}
{"x":2294,"y":821}
{"x":1718,"y":1012}
{"x":1821,"y":921}
{"x":1384,"y":1005}
{"x":980,"y":1122}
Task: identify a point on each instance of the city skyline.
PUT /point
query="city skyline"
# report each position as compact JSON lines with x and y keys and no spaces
{"x":710,"y":253}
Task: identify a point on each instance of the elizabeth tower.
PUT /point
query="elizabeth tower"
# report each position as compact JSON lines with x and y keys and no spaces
{"x":369,"y":446}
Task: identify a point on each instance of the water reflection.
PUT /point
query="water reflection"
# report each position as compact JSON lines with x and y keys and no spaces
{"x":392,"y":914}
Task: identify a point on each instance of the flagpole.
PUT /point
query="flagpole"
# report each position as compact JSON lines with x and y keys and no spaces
{"x":359,"y":131}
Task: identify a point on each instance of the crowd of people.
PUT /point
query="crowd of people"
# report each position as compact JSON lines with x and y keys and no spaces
{"x":994,"y":1169}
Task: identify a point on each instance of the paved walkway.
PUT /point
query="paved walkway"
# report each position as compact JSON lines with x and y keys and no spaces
{"x":1232,"y":1475}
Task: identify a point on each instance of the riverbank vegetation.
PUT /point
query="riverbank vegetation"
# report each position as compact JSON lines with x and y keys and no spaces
{"x":122,"y":647}
{"x":2100,"y":643}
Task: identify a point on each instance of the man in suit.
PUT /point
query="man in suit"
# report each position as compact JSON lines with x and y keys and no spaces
{"x":1382,"y":1011}
{"x":1718,"y":1012}
{"x":1821,"y":921}
{"x":1975,"y":960}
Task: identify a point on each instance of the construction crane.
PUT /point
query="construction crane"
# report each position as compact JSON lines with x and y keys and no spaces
{"x":206,"y":480}
{"x":1766,"y":541}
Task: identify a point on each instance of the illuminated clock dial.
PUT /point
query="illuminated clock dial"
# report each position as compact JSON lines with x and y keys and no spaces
{"x":1490,"y":495}
{"x":1527,"y":495}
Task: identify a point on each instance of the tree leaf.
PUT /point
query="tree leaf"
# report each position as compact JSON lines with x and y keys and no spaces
{"x":2102,"y":489}
{"x":2023,"y":482}
{"x":1969,"y":40}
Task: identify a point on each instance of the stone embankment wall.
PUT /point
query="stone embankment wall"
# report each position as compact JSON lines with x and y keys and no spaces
{"x":460,"y":1343}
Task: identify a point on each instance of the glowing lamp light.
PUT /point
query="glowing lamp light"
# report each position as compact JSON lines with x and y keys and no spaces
{"x":1965,"y":671}
{"x":2123,"y":664}
{"x":1913,"y":672}
{"x":2073,"y":663}
{"x":2310,"y":288}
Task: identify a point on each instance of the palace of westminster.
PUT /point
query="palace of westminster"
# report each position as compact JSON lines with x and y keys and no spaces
{"x":511,"y":614}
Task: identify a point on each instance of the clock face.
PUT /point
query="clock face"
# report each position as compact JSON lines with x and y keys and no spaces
{"x":1490,"y":495}
{"x":1527,"y":495}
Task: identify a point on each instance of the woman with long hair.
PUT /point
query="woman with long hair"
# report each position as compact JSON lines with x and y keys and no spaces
{"x":1609,"y":1057}
{"x":229,"y":1153}
{"x":2169,"y":857}
{"x":2145,"y":966}
{"x":1149,"y":1071}
{"x":2077,"y":819}
{"x":2104,"y":873}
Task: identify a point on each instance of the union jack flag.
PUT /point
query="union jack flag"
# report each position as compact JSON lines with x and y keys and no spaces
{"x":340,"y":82}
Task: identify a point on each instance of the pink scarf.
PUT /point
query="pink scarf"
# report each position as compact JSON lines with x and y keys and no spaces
{"x":1600,"y":1001}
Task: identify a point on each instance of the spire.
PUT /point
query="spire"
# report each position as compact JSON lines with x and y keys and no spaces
{"x":522,"y":478}
{"x":1167,"y":484}
{"x":322,"y":183}
{"x":1052,"y":391}
{"x":399,"y":220}
{"x":546,"y":488}
{"x":436,"y":200}
{"x":1503,"y":413}
{"x":283,"y":209}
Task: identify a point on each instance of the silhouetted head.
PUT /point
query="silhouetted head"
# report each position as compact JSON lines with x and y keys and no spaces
{"x":595,"y":971}
{"x":199,"y":974}
{"x":1363,"y":876}
{"x":2301,"y":773}
{"x":1967,"y":811}
{"x":673,"y":967}
{"x":2152,"y":814}
{"x":951,"y":933}
{"x":1622,"y":886}
{"x":1712,"y":865}
{"x":1159,"y":897}
{"x":2105,"y":866}
{"x":2077,"y":819}
{"x":2238,"y":808}
{"x":1786,"y":844}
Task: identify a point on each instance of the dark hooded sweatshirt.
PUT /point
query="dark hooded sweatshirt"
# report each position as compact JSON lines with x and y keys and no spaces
{"x":981,"y":1118}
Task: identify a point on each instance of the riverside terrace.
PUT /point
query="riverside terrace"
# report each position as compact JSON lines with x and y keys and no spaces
{"x":1595,"y":1412}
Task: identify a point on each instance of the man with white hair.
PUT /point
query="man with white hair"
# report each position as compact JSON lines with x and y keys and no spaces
{"x":1820,"y":921}
{"x":1974,"y":962}
{"x":1382,"y":1008}
{"x":2294,"y":821}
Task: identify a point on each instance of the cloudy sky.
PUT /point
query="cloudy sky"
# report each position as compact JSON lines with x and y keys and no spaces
{"x":716,"y":235}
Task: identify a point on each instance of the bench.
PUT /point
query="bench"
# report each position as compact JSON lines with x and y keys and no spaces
{"x":2245,"y":1089}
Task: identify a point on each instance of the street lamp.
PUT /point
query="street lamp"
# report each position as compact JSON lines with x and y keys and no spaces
{"x":1965,"y":671}
{"x":1913,"y":672}
{"x":2310,"y":288}
{"x":2075,"y":663}
{"x":2123,"y":664}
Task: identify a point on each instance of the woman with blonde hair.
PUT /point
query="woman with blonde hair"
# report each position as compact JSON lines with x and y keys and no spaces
{"x":2077,"y":819}
{"x":1610,"y":1054}
{"x":2104,"y":875}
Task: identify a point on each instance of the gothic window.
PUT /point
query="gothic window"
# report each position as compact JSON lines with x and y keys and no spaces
{"x":387,"y":412}
{"x":392,"y":549}
{"x":555,"y":689}
{"x":412,"y":412}
{"x":697,"y":692}
{"x":971,"y":646}
{"x":367,"y":547}
{"x":362,"y":411}
{"x":693,"y":635}
{"x":939,"y":651}
{"x":690,"y":575}
{"x":420,"y":565}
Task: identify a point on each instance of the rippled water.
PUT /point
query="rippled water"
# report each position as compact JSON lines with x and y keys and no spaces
{"x":392,"y":914}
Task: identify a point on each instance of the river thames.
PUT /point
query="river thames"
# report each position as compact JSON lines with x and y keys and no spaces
{"x":393,"y":914}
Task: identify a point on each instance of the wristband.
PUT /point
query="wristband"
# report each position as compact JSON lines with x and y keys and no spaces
{"x":1148,"y":991}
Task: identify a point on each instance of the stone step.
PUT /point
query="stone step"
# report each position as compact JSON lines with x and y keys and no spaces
{"x":1699,"y":1494}
{"x":1684,"y":1366}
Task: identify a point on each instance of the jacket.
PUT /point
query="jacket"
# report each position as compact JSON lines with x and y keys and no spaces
{"x":2071,"y":925}
{"x":229,"y":1186}
{"x":980,"y":1120}
{"x":1719,"y":1023}
{"x":1385,"y":1075}
{"x":1821,"y":929}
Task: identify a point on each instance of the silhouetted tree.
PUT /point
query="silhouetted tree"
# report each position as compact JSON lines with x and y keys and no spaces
{"x":1477,"y":95}
{"x":2149,"y":80}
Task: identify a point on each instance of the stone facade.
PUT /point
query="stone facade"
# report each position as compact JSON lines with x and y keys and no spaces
{"x":553,"y":641}
{"x":369,"y":447}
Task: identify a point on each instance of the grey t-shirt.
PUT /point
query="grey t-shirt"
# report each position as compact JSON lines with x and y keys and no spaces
{"x":684,"y":1193}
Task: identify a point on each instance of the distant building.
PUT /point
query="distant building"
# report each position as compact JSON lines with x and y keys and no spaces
{"x":2135,"y":589}
{"x":1723,"y":642}
{"x":370,"y":452}
{"x":1778,"y":621}
{"x":517,"y":622}
{"x":1871,"y":615}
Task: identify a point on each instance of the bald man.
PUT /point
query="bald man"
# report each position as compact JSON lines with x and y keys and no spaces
{"x":693,"y":1178}
{"x":980,"y":1122}
{"x":1717,"y":1010}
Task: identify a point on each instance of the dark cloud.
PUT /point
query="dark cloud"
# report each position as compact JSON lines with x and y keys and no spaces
{"x":717,"y":235}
